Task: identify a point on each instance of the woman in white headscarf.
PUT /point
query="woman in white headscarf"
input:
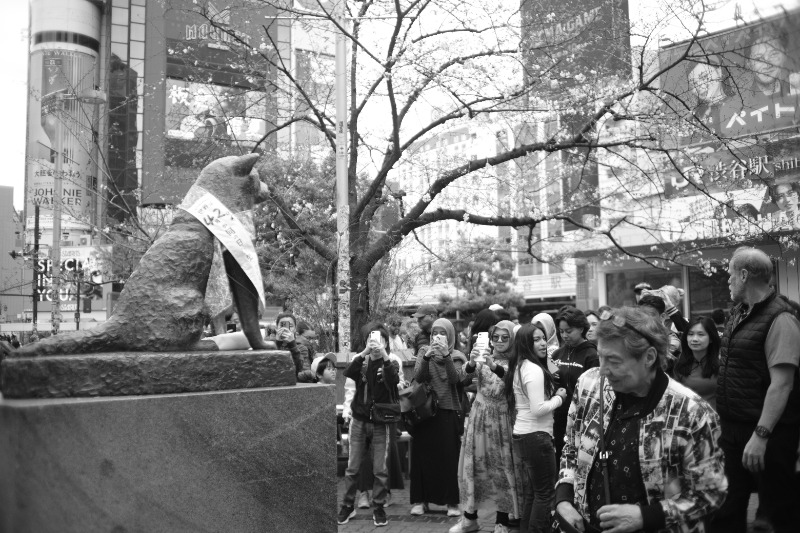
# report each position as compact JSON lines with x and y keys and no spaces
{"x":550,"y":328}
{"x":434,"y":455}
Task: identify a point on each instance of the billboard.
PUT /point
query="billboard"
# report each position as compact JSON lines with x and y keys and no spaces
{"x":209,"y":112}
{"x":735,"y":84}
{"x":63,"y":61}
{"x":569,"y":42}
{"x":736,"y":104}
{"x":220,"y":97}
{"x":84,"y":264}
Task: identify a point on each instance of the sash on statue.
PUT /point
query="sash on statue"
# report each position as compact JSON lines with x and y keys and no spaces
{"x":234,"y":232}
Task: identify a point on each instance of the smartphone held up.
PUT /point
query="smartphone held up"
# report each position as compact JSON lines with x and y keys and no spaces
{"x":482,"y":343}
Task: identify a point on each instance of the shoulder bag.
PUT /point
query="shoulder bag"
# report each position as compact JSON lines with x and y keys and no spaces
{"x":418,"y":403}
{"x":385,"y":413}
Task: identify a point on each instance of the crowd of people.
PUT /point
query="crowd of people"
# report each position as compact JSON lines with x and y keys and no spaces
{"x":625,"y":420}
{"x":11,"y":339}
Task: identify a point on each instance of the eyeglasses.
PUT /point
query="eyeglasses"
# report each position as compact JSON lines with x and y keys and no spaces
{"x":500,"y":338}
{"x":620,"y":322}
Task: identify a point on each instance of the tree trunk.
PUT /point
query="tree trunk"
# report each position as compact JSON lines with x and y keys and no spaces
{"x":359,"y":306}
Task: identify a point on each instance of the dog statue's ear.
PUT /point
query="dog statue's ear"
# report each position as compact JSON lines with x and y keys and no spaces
{"x":245,"y":163}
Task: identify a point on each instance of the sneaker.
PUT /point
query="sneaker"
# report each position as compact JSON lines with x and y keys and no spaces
{"x":379,"y":516}
{"x":388,"y":501}
{"x":500,"y":528}
{"x":363,"y":500}
{"x":453,"y":510}
{"x":418,"y":509}
{"x":345,"y":514}
{"x":465,"y":525}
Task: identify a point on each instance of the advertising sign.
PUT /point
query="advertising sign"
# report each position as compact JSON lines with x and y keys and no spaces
{"x":196,"y":111}
{"x":739,"y":83}
{"x":84,"y":264}
{"x":57,"y":112}
{"x":63,"y":64}
{"x":220,"y":96}
{"x":744,"y":87}
{"x":568,"y":42}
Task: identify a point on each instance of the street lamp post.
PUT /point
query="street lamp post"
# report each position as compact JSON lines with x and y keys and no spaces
{"x":342,"y":185}
{"x":55,"y":252}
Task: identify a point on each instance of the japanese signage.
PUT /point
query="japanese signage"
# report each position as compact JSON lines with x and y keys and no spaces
{"x":739,"y":148}
{"x":736,"y":84}
{"x":743,"y":190}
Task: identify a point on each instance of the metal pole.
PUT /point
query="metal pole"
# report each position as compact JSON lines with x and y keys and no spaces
{"x":35,"y":270}
{"x":79,"y":275}
{"x":342,"y":185}
{"x":55,"y":255}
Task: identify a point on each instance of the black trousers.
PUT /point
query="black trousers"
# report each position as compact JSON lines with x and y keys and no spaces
{"x":777,"y":484}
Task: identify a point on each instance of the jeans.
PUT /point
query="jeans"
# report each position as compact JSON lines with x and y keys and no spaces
{"x":538,"y":457}
{"x":361,"y":434}
{"x":777,"y":484}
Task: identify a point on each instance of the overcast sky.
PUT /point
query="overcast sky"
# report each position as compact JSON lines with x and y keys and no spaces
{"x":13,"y":90}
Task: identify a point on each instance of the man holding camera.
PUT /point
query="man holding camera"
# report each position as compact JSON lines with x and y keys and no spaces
{"x":375,"y":377}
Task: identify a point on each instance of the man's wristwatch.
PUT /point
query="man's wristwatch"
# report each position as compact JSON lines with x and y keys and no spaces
{"x":762,"y":432}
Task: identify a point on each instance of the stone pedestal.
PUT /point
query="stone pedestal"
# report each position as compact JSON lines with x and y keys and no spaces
{"x":238,"y":460}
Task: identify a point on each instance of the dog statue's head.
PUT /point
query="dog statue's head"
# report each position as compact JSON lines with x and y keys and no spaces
{"x":235,"y":182}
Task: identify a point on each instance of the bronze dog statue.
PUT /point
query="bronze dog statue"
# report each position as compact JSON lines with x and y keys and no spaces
{"x":161,"y":308}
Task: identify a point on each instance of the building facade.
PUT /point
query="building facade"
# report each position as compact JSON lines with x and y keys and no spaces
{"x":733,"y":178}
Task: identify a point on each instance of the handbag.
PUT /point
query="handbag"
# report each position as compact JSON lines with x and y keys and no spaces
{"x":560,"y":524}
{"x":418,"y":403}
{"x":384,"y":413}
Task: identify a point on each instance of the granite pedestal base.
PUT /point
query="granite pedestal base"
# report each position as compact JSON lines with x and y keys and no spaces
{"x":230,"y":461}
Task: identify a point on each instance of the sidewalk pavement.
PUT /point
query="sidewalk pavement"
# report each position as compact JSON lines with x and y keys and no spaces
{"x":400,"y":518}
{"x":435,"y":521}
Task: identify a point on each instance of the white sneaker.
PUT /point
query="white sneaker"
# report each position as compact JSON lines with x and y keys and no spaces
{"x":418,"y":509}
{"x":453,"y":510}
{"x":363,"y":500}
{"x":465,"y":525}
{"x":500,"y":528}
{"x":388,"y":499}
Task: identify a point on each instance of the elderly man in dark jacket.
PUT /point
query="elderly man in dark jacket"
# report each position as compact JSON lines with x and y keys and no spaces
{"x":758,"y":399}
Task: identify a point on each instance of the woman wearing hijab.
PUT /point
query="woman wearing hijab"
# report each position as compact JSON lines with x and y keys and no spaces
{"x":487,"y":477}
{"x":550,"y":328}
{"x":434,"y":455}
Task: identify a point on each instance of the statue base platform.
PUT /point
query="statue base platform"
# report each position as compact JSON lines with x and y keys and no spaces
{"x":261,"y":459}
{"x":135,"y":373}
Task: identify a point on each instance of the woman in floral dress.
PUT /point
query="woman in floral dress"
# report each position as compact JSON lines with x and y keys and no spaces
{"x":487,"y":477}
